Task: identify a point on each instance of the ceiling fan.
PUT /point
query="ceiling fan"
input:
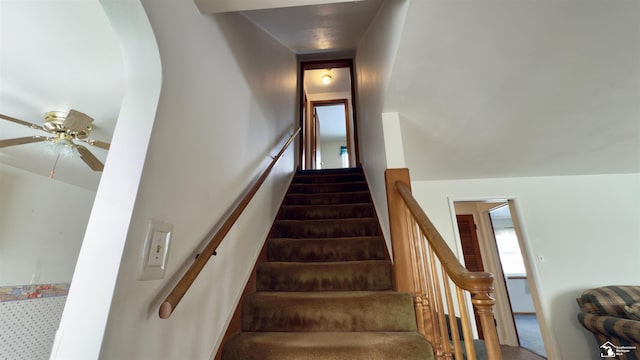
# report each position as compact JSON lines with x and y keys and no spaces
{"x":66,"y":128}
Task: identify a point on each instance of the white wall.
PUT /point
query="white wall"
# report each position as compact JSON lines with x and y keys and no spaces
{"x":585,"y":226}
{"x":228,"y":100}
{"x":375,"y":56}
{"x":42,"y":223}
{"x":520,"y":296}
{"x":331,"y":158}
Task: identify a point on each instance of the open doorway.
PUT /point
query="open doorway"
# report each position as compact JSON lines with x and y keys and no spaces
{"x":497,"y":249}
{"x":330,"y":145}
{"x":515,"y":275}
{"x":328,"y":117}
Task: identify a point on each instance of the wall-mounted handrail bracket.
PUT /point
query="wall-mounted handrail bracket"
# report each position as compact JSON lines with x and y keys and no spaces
{"x":214,"y":254}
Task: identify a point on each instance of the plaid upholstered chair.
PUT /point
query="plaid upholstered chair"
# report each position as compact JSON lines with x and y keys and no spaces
{"x":612,"y":314}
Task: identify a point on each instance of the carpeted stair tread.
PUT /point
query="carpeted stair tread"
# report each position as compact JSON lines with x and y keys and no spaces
{"x":329,"y":346}
{"x":325,"y":291}
{"x":326,"y":228}
{"x":331,"y":187}
{"x":328,"y":173}
{"x":327,"y":249}
{"x":324,"y":276}
{"x":354,"y":197}
{"x":329,"y":311}
{"x":335,"y":211}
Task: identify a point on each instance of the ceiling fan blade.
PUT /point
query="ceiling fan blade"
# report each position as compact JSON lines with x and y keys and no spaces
{"x":90,"y":159}
{"x":22,"y":140}
{"x":21,"y":122}
{"x":77,"y":121}
{"x":97,"y":143}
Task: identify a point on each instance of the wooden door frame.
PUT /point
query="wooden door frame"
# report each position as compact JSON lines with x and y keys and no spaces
{"x":492,"y":261}
{"x":314,"y":142}
{"x":324,"y":64}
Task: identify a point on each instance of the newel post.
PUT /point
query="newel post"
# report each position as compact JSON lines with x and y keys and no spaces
{"x":406,"y":255}
{"x":402,"y":268}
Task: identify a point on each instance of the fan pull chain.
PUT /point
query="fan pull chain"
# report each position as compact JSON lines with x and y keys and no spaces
{"x":53,"y":169}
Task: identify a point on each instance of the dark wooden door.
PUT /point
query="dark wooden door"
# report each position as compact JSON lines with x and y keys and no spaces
{"x":470,"y":245}
{"x":470,"y":251}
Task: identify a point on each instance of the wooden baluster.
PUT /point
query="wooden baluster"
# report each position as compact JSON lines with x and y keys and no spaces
{"x":484,"y":303}
{"x":437,"y":312}
{"x":453,"y":323}
{"x":425,"y":286}
{"x":466,"y":325}
{"x":418,"y":294}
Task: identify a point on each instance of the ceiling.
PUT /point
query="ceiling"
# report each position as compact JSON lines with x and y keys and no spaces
{"x":66,"y":57}
{"x":220,"y":6}
{"x":487,"y":88}
{"x":318,"y":28}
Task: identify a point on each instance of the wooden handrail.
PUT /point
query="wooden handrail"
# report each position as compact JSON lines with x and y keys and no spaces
{"x":425,"y":266}
{"x":174,"y":297}
{"x":470,"y":281}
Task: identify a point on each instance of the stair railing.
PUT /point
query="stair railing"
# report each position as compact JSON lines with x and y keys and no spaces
{"x":425,"y":266}
{"x":183,"y":285}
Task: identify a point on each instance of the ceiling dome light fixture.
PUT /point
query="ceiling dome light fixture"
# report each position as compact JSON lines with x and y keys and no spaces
{"x":326,"y":79}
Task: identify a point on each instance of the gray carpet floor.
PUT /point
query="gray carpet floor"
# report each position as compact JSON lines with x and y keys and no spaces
{"x":529,"y":333}
{"x":518,"y":353}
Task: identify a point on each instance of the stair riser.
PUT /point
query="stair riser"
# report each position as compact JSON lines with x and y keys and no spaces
{"x":325,"y":228}
{"x":328,"y":346}
{"x":345,"y":276}
{"x":349,"y":249}
{"x":327,"y":199}
{"x":326,"y":179}
{"x":327,"y":188}
{"x":359,"y":311}
{"x":326,"y":212}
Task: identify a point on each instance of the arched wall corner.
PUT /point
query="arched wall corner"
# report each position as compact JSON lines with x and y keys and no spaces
{"x":87,"y":308}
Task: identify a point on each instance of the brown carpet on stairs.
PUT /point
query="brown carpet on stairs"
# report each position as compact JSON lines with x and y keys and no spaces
{"x":325,"y":291}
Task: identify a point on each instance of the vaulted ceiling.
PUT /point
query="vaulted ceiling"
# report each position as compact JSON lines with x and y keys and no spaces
{"x":484,"y":88}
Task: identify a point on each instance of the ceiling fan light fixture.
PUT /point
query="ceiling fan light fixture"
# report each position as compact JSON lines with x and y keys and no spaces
{"x":66,"y":127}
{"x":58,"y":149}
{"x":326,"y":79}
{"x":61,"y":145}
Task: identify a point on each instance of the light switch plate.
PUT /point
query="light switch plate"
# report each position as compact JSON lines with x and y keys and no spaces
{"x":155,"y":253}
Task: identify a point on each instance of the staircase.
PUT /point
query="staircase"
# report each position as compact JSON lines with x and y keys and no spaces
{"x":325,"y":291}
